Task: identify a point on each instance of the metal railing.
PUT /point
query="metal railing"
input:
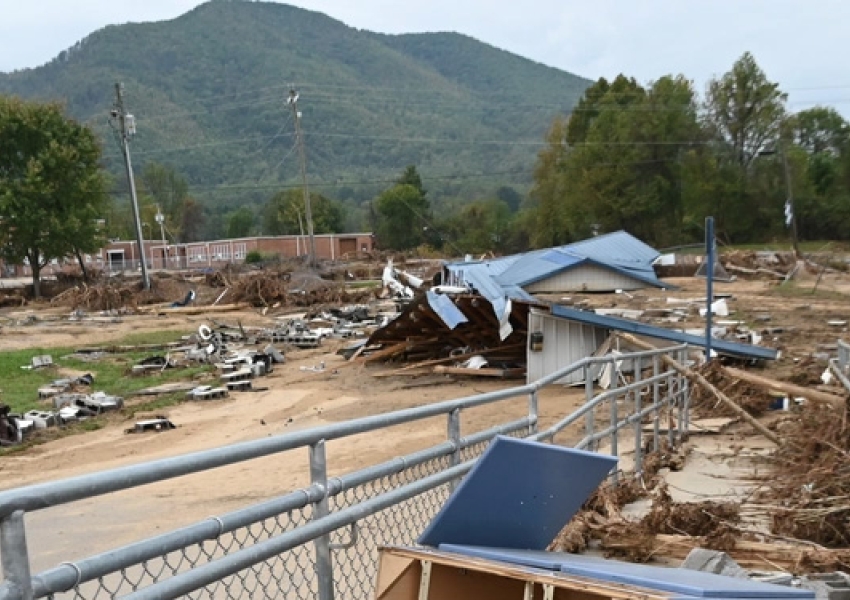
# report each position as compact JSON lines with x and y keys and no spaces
{"x":321,"y":541}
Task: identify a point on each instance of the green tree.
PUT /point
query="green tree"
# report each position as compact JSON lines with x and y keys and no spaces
{"x":284,"y":214}
{"x":744,"y":113}
{"x":617,"y":165}
{"x":52,"y":190}
{"x":402,"y":212}
{"x":240,"y":223}
{"x":192,"y":221}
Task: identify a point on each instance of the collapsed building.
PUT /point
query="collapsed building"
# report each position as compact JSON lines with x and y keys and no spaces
{"x":495,"y":309}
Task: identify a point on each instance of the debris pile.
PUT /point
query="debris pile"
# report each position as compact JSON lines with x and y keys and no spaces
{"x":809,"y":500}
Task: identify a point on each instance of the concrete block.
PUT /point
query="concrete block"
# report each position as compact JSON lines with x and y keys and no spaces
{"x":712,"y":561}
{"x":827,"y":586}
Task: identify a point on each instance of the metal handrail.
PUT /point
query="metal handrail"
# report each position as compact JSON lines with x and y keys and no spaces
{"x":66,"y":576}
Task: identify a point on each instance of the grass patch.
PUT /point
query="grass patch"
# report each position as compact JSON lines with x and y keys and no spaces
{"x":112,"y":373}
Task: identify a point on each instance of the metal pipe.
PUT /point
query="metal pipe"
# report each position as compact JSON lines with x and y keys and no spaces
{"x":321,"y":509}
{"x":589,"y":425}
{"x":709,"y":283}
{"x":14,"y":557}
{"x":656,"y":394}
{"x":533,"y":412}
{"x":41,"y":496}
{"x":638,"y":423}
{"x":453,"y":432}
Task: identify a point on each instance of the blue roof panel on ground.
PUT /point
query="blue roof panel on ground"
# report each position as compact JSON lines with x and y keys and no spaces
{"x":692,"y":584}
{"x":518,"y":495}
{"x":662,"y":333}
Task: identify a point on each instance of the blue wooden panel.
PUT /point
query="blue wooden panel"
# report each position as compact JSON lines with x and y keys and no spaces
{"x":518,"y":495}
{"x":679,"y":581}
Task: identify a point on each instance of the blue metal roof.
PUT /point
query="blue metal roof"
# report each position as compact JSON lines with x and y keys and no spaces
{"x":446,"y":309}
{"x":618,"y":251}
{"x":662,"y":333}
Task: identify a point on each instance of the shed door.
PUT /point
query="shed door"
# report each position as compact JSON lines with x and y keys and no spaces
{"x":347,"y":245}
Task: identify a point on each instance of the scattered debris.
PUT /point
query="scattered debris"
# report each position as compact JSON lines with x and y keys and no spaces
{"x":156,"y":424}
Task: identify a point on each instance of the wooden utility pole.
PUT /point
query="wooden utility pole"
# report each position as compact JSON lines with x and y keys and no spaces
{"x":127,"y":129}
{"x":292,"y":100}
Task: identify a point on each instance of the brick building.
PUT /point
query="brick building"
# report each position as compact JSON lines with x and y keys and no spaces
{"x":123,"y":255}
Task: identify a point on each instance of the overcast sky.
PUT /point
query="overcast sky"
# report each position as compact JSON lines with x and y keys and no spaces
{"x":802,"y":44}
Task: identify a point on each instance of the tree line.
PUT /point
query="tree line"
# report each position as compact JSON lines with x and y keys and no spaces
{"x":653,"y":159}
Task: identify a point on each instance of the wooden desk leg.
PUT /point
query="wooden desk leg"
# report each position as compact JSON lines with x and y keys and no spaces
{"x":425,"y":580}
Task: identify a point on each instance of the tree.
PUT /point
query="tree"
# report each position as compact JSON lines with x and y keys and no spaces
{"x":617,"y":165}
{"x":52,"y":190}
{"x":411,"y":177}
{"x":744,"y":112}
{"x":240,"y":222}
{"x":284,"y":214}
{"x":402,"y":214}
{"x":192,"y":221}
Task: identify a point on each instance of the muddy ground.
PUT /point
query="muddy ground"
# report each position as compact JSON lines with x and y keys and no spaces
{"x":297,"y":399}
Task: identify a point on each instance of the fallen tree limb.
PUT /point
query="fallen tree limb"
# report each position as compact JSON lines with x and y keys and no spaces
{"x":750,"y":554}
{"x":706,"y":385}
{"x":196,"y":310}
{"x":786,"y":388}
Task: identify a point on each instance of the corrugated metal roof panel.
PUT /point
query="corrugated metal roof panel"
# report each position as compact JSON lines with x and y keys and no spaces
{"x":446,"y":309}
{"x":662,"y":333}
{"x":618,"y":247}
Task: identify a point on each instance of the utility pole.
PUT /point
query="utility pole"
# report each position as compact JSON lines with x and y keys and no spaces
{"x":127,"y":126}
{"x":790,"y":217}
{"x":160,"y":218}
{"x":292,"y":101}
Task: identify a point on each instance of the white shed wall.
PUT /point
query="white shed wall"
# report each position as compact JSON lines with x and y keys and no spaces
{"x":564,"y":342}
{"x":585,"y":278}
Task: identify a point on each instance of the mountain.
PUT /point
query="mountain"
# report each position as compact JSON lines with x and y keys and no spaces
{"x":208,"y":91}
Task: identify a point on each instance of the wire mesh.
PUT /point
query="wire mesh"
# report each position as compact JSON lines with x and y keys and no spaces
{"x":288,"y":575}
{"x":355,"y":550}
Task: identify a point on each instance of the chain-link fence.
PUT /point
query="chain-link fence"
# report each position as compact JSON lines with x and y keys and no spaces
{"x":322,"y":541}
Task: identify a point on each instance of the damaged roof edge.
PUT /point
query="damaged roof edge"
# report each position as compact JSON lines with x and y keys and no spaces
{"x":644,"y":329}
{"x":443,"y":306}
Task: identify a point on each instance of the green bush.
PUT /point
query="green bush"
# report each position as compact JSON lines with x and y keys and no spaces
{"x":253,"y":257}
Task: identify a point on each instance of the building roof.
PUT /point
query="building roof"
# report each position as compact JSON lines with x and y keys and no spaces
{"x":618,"y":251}
{"x":662,"y":333}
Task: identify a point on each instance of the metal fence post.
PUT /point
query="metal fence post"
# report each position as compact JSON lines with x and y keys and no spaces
{"x":638,"y":367}
{"x":14,"y":556}
{"x":671,"y":401}
{"x":533,"y":412}
{"x":656,"y":396}
{"x":322,"y":544}
{"x":454,"y":438}
{"x":589,"y":425}
{"x":684,"y":413}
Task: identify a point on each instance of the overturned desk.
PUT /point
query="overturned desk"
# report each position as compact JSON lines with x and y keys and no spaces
{"x":407,"y":573}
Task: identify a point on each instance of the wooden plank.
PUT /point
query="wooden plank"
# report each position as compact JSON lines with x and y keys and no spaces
{"x":484,"y":372}
{"x":440,"y":361}
{"x":391,"y":570}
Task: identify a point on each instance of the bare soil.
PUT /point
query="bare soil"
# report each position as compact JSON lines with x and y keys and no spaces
{"x":297,"y":400}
